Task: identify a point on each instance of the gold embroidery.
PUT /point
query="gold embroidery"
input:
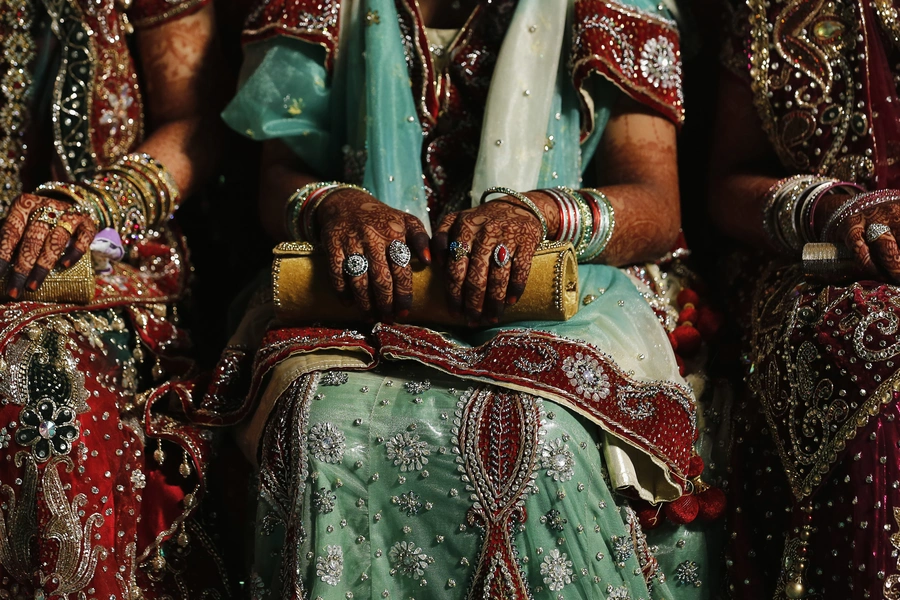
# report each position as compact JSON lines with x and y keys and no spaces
{"x":891,"y":587}
{"x":76,"y":560}
{"x":18,"y":529}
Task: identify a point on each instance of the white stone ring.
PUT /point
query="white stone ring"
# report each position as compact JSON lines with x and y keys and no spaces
{"x":875,"y":231}
{"x":399,"y":253}
{"x":356,"y":265}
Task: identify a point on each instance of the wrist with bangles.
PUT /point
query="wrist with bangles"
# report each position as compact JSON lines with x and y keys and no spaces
{"x":133,"y":195}
{"x":586,"y":217}
{"x":789,"y":212}
{"x":300,"y":209}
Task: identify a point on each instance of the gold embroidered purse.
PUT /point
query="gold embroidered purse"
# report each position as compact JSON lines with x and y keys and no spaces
{"x":74,"y":285}
{"x":303,"y":292}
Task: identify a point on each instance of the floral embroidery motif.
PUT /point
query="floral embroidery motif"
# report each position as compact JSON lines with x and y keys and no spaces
{"x":891,"y":586}
{"x":659,"y":65}
{"x":138,"y":480}
{"x":688,"y":573}
{"x":408,"y":560}
{"x":586,"y":376}
{"x":417,"y":387}
{"x":554,"y":520}
{"x":257,"y":587}
{"x":326,"y":442}
{"x":408,"y":503}
{"x":116,"y":116}
{"x":333,"y":378}
{"x":557,"y":570}
{"x":617,"y":593}
{"x":330,"y":567}
{"x":4,"y":438}
{"x":558,"y":460}
{"x":49,"y":430}
{"x":408,"y":452}
{"x":622,"y":548}
{"x":324,"y":501}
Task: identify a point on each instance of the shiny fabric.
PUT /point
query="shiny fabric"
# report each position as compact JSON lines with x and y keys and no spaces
{"x":319,"y":414}
{"x":814,"y":491}
{"x":100,"y":474}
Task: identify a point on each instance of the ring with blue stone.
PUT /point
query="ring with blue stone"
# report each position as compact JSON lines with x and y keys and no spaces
{"x":458,"y":250}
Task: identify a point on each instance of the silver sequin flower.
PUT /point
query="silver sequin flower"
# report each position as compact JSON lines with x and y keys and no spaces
{"x":408,"y":560}
{"x":323,"y":501}
{"x":334,"y":378}
{"x":688,"y":573}
{"x":554,"y":520}
{"x":622,"y":548}
{"x":408,"y":503}
{"x":407,"y":451}
{"x":557,"y":570}
{"x":138,"y":480}
{"x":116,"y":116}
{"x":330,"y":567}
{"x":617,"y":593}
{"x":586,"y":376}
{"x":558,"y":460}
{"x":4,"y":438}
{"x":659,"y":65}
{"x":326,"y":442}
{"x":417,"y":387}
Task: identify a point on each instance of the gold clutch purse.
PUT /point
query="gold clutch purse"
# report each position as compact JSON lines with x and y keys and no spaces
{"x":303,"y":292}
{"x":74,"y":285}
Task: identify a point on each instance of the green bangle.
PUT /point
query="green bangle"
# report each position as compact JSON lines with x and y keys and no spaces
{"x":608,"y":221}
{"x":524,"y":200}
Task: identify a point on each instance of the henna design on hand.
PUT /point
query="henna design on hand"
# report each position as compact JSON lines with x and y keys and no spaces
{"x":475,"y":282}
{"x":33,"y":246}
{"x":353,"y":222}
{"x":882,"y":256}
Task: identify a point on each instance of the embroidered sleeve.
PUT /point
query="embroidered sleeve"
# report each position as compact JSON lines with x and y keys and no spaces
{"x":313,"y":21}
{"x":150,"y":13}
{"x":639,"y":52}
{"x":735,"y":55}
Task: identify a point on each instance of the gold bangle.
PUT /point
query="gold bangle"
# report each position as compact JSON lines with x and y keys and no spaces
{"x":529,"y":204}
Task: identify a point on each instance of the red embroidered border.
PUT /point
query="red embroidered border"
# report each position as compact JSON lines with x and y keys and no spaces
{"x":313,"y":21}
{"x":620,"y":43}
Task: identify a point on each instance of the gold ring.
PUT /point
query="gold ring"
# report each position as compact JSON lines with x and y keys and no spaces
{"x":67,"y":226}
{"x":46,"y":214}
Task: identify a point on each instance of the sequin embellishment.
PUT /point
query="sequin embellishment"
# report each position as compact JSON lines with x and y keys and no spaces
{"x":408,"y":452}
{"x":558,"y":460}
{"x":330,"y":567}
{"x":688,"y":573}
{"x":334,"y":378}
{"x":326,"y":442}
{"x":659,"y":65}
{"x":586,"y":376}
{"x":408,"y":560}
{"x":48,"y":429}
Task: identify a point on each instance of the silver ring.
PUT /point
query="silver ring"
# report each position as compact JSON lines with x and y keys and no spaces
{"x":399,"y":253}
{"x":502,"y":256}
{"x":356,"y":265}
{"x":458,"y":250}
{"x":875,"y":231}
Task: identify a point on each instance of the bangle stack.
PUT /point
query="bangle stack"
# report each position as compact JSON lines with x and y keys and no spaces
{"x":133,"y":195}
{"x":587,"y":220}
{"x":301,"y":207}
{"x":789,"y":211}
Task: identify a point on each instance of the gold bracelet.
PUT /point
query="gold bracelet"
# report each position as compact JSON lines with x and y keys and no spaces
{"x":529,"y":204}
{"x":81,"y":197}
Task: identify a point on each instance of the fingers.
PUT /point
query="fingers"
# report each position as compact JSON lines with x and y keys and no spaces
{"x":498,"y":282}
{"x":887,"y":255}
{"x":521,"y":267}
{"x":403,"y":288}
{"x":457,"y":266}
{"x":84,"y":235}
{"x":476,"y":282}
{"x":53,"y":248}
{"x":30,"y":247}
{"x":14,"y":228}
{"x":381,"y":281}
{"x":417,"y":239}
{"x":336,"y":258}
{"x":359,"y":285}
{"x":441,"y":239}
{"x":856,"y":240}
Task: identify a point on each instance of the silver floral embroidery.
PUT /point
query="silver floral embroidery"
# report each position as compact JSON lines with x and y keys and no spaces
{"x":408,"y":560}
{"x":558,"y":460}
{"x":688,"y":573}
{"x":659,"y":65}
{"x":408,"y":452}
{"x":617,"y":593}
{"x":554,"y":520}
{"x":417,"y":387}
{"x":4,"y":438}
{"x":334,"y":378}
{"x":323,"y":501}
{"x":257,"y":587}
{"x":622,"y":548}
{"x":138,"y":480}
{"x":48,"y":428}
{"x":557,"y":570}
{"x":408,"y":503}
{"x":586,"y":376}
{"x":116,"y":116}
{"x":330,"y":567}
{"x":326,"y":442}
